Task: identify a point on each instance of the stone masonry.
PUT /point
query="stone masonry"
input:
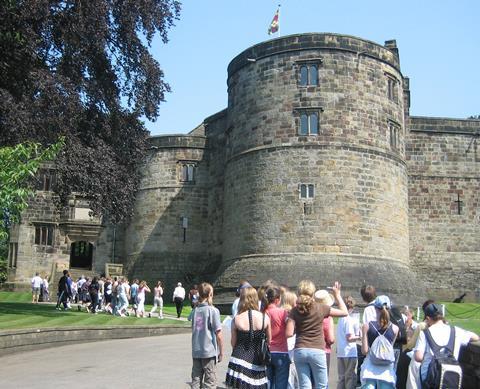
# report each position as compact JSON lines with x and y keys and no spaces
{"x":394,"y":199}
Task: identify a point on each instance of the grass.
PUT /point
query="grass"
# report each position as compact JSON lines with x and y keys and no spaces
{"x":464,"y":315}
{"x":17,"y":312}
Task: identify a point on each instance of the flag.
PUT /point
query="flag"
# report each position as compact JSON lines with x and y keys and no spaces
{"x":274,"y":25}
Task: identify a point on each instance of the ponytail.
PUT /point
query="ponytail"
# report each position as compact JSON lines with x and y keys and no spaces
{"x":384,"y":318}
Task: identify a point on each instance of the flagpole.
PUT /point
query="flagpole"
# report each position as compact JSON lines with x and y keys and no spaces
{"x":279,"y":6}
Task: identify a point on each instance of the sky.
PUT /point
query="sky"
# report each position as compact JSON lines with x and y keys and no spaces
{"x":438,"y":41}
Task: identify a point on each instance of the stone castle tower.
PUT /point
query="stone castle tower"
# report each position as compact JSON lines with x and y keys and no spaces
{"x":314,"y":170}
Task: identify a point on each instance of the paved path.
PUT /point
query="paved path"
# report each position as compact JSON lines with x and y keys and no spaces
{"x":155,"y":362}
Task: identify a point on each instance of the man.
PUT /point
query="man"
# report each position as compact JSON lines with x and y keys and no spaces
{"x":440,"y":333}
{"x":36,"y":284}
{"x":369,"y":294}
{"x":64,"y":291}
{"x":178,"y":297}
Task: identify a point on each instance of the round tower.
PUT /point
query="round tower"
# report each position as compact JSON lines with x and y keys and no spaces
{"x":315,"y":176}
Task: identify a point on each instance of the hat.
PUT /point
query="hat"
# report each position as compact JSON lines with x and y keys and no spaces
{"x":432,"y":310}
{"x":382,"y":301}
{"x":323,"y":297}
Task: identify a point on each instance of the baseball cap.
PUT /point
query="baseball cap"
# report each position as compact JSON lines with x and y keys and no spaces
{"x":382,"y":301}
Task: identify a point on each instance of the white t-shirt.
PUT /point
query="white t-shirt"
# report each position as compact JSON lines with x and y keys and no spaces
{"x":346,"y":326}
{"x":179,"y":292}
{"x":369,"y":314}
{"x":440,"y":334}
{"x":36,"y":282}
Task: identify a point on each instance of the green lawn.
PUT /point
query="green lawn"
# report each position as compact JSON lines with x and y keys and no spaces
{"x":464,"y":315}
{"x":17,"y":312}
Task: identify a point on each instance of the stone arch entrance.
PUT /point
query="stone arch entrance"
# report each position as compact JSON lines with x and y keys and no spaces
{"x":81,"y":255}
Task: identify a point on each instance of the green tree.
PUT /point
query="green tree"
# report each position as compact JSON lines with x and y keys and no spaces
{"x":82,"y":69}
{"x":18,"y":165}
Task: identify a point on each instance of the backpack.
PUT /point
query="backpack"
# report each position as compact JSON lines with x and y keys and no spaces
{"x":397,"y":319}
{"x":381,"y":352}
{"x":444,"y":371}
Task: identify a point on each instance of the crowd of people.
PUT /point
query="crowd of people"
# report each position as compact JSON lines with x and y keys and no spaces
{"x":382,"y":348}
{"x":112,"y":295}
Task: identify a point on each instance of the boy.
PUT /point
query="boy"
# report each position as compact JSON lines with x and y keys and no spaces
{"x":207,"y":340}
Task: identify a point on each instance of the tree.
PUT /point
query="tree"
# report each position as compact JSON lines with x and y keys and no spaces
{"x":82,"y":69}
{"x":19,"y":165}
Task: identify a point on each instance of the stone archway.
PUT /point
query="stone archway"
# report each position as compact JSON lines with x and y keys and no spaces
{"x":81,"y":255}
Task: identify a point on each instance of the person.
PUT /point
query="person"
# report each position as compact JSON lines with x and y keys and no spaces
{"x":243,"y":284}
{"x":74,"y":287}
{"x":178,"y":297}
{"x":134,"y":292}
{"x":372,"y":375}
{"x":36,"y":284}
{"x":289,"y":300}
{"x":122,"y":298}
{"x":157,"y":300}
{"x":142,"y":289}
{"x":107,"y":287}
{"x":93,"y":290}
{"x":440,"y":332}
{"x":193,"y":296}
{"x":207,"y":340}
{"x":79,"y":297}
{"x":64,"y":291}
{"x":369,"y":295}
{"x":348,"y":332}
{"x":279,"y":368}
{"x":245,"y":369}
{"x":304,"y":321}
{"x":323,"y":297}
{"x":46,"y":291}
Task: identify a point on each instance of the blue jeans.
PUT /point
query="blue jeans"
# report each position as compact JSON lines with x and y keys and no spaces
{"x":311,"y":363}
{"x":377,"y":384}
{"x":278,"y":371}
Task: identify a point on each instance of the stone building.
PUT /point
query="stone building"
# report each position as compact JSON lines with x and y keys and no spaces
{"x":314,"y":170}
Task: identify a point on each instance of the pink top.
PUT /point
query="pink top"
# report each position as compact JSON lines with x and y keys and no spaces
{"x":278,"y":321}
{"x":327,"y":324}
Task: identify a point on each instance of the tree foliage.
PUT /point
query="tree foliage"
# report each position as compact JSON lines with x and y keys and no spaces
{"x":82,"y":69}
{"x":19,"y":165}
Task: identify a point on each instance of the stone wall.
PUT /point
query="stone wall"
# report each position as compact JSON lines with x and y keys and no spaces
{"x":358,"y":220}
{"x":154,"y":245}
{"x":443,"y":241}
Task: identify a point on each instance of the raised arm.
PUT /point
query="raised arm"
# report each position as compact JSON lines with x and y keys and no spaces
{"x":290,"y":328}
{"x":342,"y":308}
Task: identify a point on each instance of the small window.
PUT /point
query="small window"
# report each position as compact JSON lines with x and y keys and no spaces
{"x":44,"y":235}
{"x":188,"y":172}
{"x":394,"y":133}
{"x":308,"y":75}
{"x":392,"y":88}
{"x":306,"y":191}
{"x":309,"y":123}
{"x":46,"y":180}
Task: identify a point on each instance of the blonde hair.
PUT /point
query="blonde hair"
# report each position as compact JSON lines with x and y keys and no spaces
{"x":248,"y":300}
{"x":289,"y":300}
{"x":305,"y":301}
{"x":205,"y":292}
{"x":384,"y":317}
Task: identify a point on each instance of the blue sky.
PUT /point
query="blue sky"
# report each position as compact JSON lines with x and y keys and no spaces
{"x":439,"y":44}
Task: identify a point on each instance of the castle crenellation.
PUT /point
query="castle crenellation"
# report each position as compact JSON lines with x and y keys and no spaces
{"x":314,"y":170}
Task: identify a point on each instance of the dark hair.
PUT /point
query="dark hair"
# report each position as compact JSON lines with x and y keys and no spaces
{"x":432,"y":310}
{"x":368,"y":293}
{"x":271,"y":293}
{"x":65,"y":272}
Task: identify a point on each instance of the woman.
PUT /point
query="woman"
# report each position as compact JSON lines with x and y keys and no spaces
{"x":46,"y":291}
{"x":309,"y":353}
{"x":93,"y":289}
{"x":245,"y":369}
{"x":323,"y":297}
{"x":279,"y":368}
{"x":108,"y":295}
{"x":142,"y":288}
{"x":157,"y":300}
{"x":289,"y":300}
{"x":373,"y":375}
{"x":122,"y":298}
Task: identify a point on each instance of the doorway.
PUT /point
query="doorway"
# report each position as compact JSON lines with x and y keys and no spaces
{"x":81,"y":254}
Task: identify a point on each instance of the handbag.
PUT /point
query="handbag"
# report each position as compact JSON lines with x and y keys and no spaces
{"x":265,"y":357}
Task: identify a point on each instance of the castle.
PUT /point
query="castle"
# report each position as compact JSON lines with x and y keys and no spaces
{"x":314,"y":170}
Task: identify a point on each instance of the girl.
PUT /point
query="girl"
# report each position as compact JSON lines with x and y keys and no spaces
{"x":142,"y":288}
{"x":157,"y":300}
{"x":279,"y":368}
{"x":309,"y":354}
{"x":374,"y":375}
{"x":244,"y":368}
